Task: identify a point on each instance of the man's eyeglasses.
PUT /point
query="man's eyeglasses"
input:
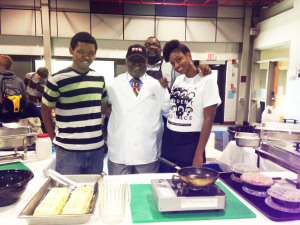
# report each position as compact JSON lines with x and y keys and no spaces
{"x":148,"y":45}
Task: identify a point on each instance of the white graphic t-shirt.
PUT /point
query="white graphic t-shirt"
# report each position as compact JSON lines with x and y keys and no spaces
{"x":189,"y":96}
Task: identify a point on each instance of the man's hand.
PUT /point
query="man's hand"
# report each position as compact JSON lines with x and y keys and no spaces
{"x":48,"y":120}
{"x":106,"y":108}
{"x":204,"y":69}
{"x":164,"y":82}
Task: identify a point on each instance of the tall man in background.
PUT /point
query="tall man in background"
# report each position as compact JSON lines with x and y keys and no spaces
{"x":158,"y":68}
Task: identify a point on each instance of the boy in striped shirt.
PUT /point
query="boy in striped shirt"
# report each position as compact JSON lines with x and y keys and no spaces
{"x":79,"y":96}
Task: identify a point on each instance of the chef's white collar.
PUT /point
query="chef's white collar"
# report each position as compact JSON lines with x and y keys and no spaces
{"x":142,"y":78}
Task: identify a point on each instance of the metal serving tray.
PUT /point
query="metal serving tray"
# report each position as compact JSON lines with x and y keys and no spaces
{"x":280,"y":154}
{"x":244,"y":139}
{"x":14,"y":129}
{"x":14,"y":135}
{"x":279,"y":131}
{"x":27,"y":212}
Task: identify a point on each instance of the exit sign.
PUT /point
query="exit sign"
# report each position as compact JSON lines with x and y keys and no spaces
{"x":211,"y":56}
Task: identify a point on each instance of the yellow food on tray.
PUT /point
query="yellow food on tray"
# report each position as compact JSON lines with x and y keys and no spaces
{"x":53,"y":203}
{"x":79,"y":201}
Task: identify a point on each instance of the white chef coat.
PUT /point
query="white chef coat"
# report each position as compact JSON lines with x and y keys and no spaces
{"x":135,"y":125}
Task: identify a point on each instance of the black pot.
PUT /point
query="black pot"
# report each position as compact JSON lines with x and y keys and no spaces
{"x":238,"y":175}
{"x":12,"y":185}
{"x":260,"y":188}
{"x":286,"y":204}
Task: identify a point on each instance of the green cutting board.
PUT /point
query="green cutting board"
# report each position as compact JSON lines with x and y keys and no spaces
{"x":13,"y":166}
{"x":144,"y":209}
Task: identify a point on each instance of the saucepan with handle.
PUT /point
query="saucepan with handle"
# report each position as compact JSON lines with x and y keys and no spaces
{"x":195,"y":176}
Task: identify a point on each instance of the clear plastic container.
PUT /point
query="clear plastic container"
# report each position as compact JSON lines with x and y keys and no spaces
{"x":43,"y":146}
{"x":114,"y":194}
{"x":240,"y":168}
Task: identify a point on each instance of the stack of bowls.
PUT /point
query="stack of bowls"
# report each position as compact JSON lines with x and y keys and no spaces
{"x":256,"y":183}
{"x":240,"y":168}
{"x":284,"y":198}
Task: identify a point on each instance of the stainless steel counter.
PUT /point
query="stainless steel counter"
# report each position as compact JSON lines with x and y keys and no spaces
{"x":281,"y":153}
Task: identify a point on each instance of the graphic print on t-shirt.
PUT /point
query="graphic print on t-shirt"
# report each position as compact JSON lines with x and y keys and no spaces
{"x":182,"y":102}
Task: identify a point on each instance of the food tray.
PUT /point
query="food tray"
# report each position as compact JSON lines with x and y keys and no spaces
{"x":27,"y":212}
{"x":244,"y":139}
{"x":259,"y":202}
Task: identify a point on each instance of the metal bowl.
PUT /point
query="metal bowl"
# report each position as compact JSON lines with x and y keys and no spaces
{"x":12,"y":185}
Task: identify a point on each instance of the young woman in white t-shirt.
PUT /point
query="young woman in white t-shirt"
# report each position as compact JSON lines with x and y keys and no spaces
{"x":194,"y":101}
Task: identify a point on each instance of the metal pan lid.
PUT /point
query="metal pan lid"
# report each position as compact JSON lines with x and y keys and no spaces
{"x":285,"y":127}
{"x":14,"y":129}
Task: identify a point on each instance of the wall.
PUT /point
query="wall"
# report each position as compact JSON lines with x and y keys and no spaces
{"x":217,"y":30}
{"x":276,"y":31}
{"x":124,"y":21}
{"x":22,"y":66}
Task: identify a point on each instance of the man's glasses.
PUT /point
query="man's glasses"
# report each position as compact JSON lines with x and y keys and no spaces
{"x":148,"y":45}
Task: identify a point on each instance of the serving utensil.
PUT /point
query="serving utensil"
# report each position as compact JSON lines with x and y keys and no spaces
{"x":63,"y":180}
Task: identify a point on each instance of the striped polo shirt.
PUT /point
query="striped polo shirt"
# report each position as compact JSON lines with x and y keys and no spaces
{"x":77,"y":101}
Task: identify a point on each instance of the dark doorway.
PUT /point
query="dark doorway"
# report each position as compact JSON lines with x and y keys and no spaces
{"x":220,"y":70}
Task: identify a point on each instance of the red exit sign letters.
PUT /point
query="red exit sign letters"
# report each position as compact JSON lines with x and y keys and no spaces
{"x":211,"y":56}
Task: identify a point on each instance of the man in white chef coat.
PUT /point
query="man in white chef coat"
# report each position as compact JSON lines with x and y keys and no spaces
{"x":135,"y":125}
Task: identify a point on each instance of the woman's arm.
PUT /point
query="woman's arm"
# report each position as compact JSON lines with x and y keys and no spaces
{"x":209,"y":116}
